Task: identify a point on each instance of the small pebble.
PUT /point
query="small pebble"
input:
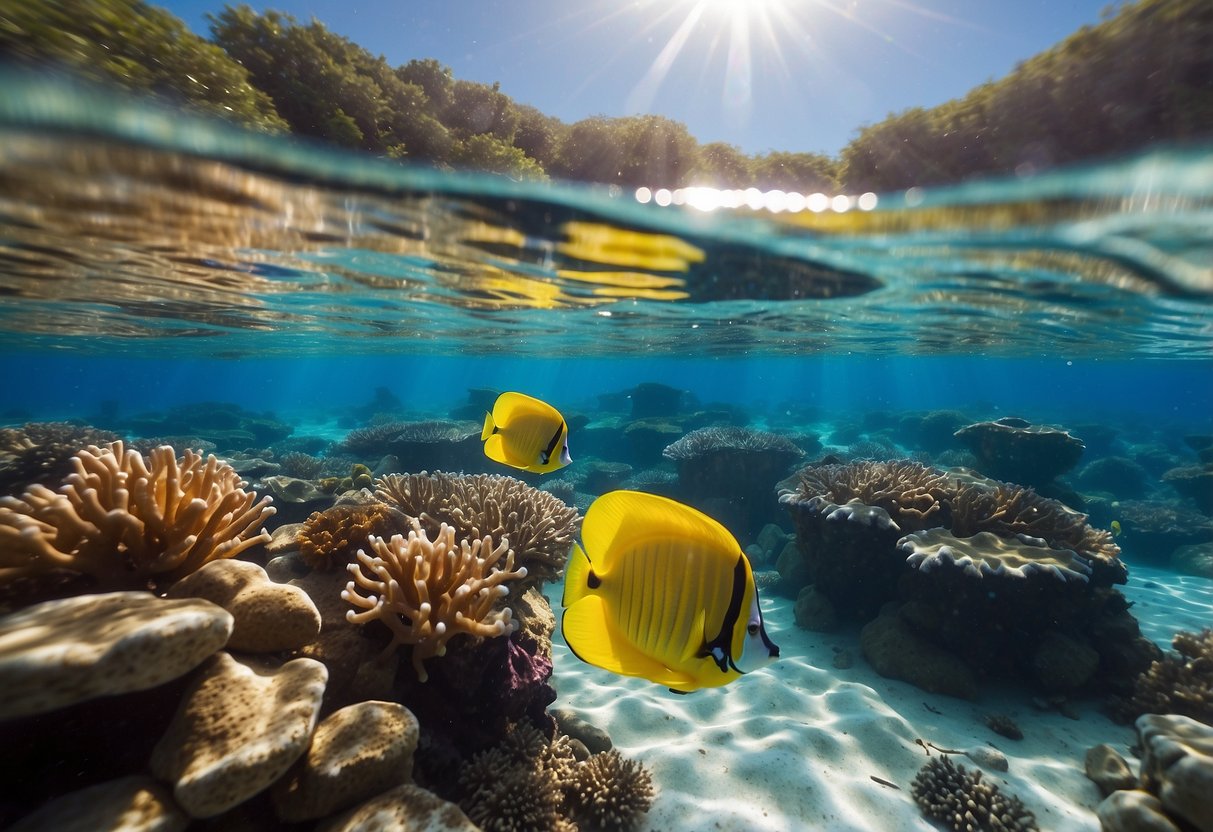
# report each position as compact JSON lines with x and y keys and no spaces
{"x":843,"y":659}
{"x":988,"y":757}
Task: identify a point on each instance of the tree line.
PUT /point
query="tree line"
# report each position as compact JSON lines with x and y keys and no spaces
{"x":1142,"y":75}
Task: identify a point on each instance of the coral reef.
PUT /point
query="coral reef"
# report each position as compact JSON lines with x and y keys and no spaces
{"x":962,"y":801}
{"x":1029,"y":576}
{"x":1016,"y":450}
{"x":125,"y":522}
{"x":1179,"y":683}
{"x":1194,"y":482}
{"x":429,"y":445}
{"x":330,"y":539}
{"x":429,"y":592}
{"x":610,"y":792}
{"x":1153,"y":529}
{"x":538,"y":526}
{"x":1117,"y":475}
{"x":729,"y":472}
{"x":42,"y":452}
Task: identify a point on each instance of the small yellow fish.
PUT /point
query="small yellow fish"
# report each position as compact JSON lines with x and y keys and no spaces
{"x":526,"y":433}
{"x":663,"y":592}
{"x":1116,"y":530}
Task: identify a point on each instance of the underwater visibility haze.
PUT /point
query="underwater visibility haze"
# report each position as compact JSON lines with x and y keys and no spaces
{"x":962,"y":434}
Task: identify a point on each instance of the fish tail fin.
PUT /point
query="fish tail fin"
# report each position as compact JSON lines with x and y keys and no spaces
{"x":489,"y":428}
{"x":576,"y":577}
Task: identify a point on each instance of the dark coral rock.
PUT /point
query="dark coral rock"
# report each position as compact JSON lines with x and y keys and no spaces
{"x":42,"y":452}
{"x":1178,"y":683}
{"x":934,"y":431}
{"x":477,"y":689}
{"x":896,"y":652}
{"x":651,"y":399}
{"x":1194,"y":482}
{"x":1015,"y":450}
{"x":426,"y":445}
{"x":1117,"y":475}
{"x":737,"y":464}
{"x":1153,"y":529}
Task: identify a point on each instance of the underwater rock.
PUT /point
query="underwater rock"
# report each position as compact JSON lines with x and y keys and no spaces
{"x":268,"y":617}
{"x":58,"y":653}
{"x":1133,"y":810}
{"x":1194,"y":482}
{"x":987,"y":756}
{"x":1153,"y":529}
{"x":1003,"y":725}
{"x":815,"y":611}
{"x":653,"y":399}
{"x":1108,"y":770}
{"x":1117,"y":475}
{"x":356,"y":753}
{"x":295,"y":499}
{"x":771,"y":540}
{"x":1064,"y":663}
{"x":239,"y":727}
{"x":933,"y":432}
{"x":573,"y":726}
{"x":896,"y":653}
{"x":1177,"y":766}
{"x":1194,"y":560}
{"x":131,"y":804}
{"x":406,"y":808}
{"x":1017,"y":451}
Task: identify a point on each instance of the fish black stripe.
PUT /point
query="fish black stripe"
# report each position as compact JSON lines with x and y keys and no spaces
{"x":724,"y":639}
{"x":547,"y":452}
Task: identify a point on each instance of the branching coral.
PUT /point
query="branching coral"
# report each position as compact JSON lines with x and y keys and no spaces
{"x":125,"y":521}
{"x":962,"y":801}
{"x":330,"y":538}
{"x":427,"y":592}
{"x":539,"y":527}
{"x":915,"y":496}
{"x":1176,"y":684}
{"x":417,"y":444}
{"x":1009,"y":510}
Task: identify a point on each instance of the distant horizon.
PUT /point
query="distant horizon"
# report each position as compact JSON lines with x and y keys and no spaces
{"x":669,"y":57}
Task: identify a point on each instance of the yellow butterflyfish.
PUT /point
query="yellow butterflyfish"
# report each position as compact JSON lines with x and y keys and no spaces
{"x":663,"y":592}
{"x":526,"y":433}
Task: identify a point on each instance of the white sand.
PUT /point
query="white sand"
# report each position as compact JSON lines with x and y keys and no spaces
{"x":794,"y":746}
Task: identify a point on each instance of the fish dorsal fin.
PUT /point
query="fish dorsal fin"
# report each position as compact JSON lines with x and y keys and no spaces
{"x":511,"y":406}
{"x":593,"y":637}
{"x":623,"y":520}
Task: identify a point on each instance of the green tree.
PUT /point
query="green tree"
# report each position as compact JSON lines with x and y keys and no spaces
{"x":802,"y":172}
{"x":486,"y":152}
{"x":722,"y":165}
{"x":137,"y":46}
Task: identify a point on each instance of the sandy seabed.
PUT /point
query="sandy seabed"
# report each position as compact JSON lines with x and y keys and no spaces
{"x":796,"y":745}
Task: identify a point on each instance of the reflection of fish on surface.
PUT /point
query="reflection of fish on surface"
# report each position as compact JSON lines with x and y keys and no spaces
{"x":526,"y":433}
{"x":663,"y":592}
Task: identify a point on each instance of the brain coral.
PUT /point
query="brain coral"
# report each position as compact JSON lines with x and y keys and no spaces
{"x":330,"y":538}
{"x":125,"y":521}
{"x":539,"y":527}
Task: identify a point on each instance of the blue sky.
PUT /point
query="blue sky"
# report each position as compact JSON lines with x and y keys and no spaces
{"x":799,"y":75}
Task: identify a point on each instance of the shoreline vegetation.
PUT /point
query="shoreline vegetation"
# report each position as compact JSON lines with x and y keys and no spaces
{"x":1142,"y":76}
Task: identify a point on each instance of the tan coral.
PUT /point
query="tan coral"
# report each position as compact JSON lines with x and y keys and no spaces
{"x":428,"y":592}
{"x":539,"y":527}
{"x":913,"y":495}
{"x":985,"y":553}
{"x":238,"y":728}
{"x":268,"y":617}
{"x":125,"y":521}
{"x":406,"y":808}
{"x":356,"y":753}
{"x":58,"y":653}
{"x":131,"y":804}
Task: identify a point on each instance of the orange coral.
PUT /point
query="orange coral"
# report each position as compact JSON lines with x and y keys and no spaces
{"x":329,"y":539}
{"x":429,"y":592}
{"x":125,"y":521}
